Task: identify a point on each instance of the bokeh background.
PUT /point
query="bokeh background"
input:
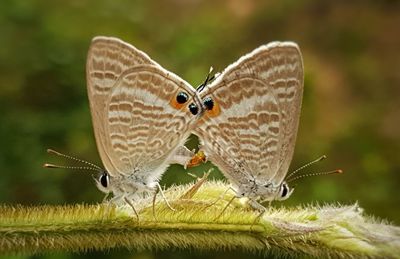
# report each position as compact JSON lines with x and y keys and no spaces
{"x":351,"y":106}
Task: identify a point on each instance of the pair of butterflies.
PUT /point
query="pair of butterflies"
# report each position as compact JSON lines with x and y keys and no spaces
{"x":246,"y":119}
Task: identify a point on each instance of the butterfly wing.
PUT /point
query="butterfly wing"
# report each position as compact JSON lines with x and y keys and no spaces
{"x":137,"y":120}
{"x":251,"y":129}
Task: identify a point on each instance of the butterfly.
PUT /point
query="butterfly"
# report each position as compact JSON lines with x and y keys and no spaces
{"x":142,"y":115}
{"x":250,"y":121}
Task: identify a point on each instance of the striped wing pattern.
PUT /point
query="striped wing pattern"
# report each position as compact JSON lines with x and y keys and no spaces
{"x":251,"y":130}
{"x":138,"y":124}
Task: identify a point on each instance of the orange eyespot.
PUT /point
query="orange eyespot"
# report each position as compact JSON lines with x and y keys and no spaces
{"x":211,"y":107}
{"x":214,"y":111}
{"x":179,"y":100}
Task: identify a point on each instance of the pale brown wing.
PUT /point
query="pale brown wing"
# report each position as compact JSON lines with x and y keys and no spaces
{"x":251,"y":130}
{"x":137,"y":120}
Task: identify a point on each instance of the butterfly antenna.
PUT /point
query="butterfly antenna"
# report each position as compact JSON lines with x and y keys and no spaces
{"x":83,"y":168}
{"x":337,"y":171}
{"x":305,"y":166}
{"x":91,"y":165}
{"x":208,"y":79}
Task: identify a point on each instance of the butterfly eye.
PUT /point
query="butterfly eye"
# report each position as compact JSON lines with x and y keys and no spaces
{"x":182,"y":97}
{"x":104,"y":180}
{"x":193,"y":108}
{"x":284,"y":191}
{"x":208,"y":103}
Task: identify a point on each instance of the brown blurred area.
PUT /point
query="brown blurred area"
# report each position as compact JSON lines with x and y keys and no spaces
{"x":351,"y":105}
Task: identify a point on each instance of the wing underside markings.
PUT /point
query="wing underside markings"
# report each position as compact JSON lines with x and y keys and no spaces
{"x":129,"y":97}
{"x":260,"y":99}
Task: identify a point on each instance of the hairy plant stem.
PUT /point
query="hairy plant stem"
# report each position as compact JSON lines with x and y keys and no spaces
{"x":336,"y":231}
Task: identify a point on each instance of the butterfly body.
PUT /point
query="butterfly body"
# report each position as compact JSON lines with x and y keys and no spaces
{"x":142,"y":115}
{"x":251,"y":117}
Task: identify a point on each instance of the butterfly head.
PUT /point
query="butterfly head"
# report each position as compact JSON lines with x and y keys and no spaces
{"x":284,"y":192}
{"x":101,"y":177}
{"x":270,"y":192}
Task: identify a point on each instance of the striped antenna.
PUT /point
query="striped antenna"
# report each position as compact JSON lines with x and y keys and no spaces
{"x":337,"y":171}
{"x":305,"y":166}
{"x":89,"y":167}
{"x":83,"y":168}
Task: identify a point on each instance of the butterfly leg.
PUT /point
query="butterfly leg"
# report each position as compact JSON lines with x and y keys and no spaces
{"x":260,"y":208}
{"x":257,"y":206}
{"x":221,"y":196}
{"x":196,"y":186}
{"x":105,"y":197}
{"x":154,"y":204}
{"x":165,"y":199}
{"x":132,"y":206}
{"x":116,"y":199}
{"x":227,"y":205}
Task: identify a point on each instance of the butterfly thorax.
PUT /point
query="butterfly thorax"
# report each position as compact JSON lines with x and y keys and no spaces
{"x":256,"y":190}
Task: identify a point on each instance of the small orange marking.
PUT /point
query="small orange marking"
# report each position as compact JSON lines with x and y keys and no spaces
{"x":215,"y":111}
{"x":201,"y":121}
{"x":197,"y":159}
{"x":175,"y":104}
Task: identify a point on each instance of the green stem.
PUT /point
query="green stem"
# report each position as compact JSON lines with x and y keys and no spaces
{"x":313,"y":230}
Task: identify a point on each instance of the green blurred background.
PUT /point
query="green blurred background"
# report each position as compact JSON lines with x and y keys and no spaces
{"x":351,"y":106}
